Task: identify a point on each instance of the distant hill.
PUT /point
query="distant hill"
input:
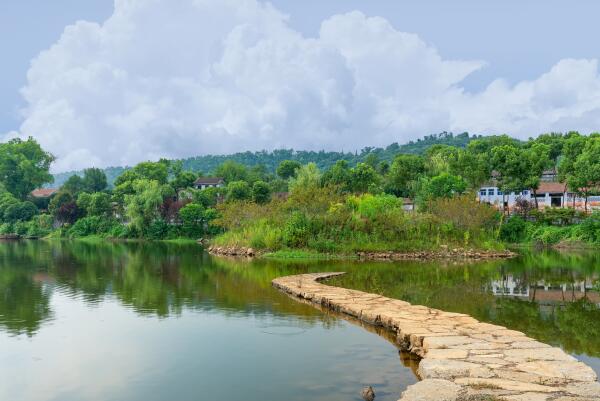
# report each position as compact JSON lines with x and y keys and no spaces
{"x":323,"y":159}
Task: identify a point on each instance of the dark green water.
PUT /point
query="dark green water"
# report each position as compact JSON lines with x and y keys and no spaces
{"x":128,"y":322}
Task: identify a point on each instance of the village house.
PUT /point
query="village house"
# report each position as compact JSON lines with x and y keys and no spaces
{"x":43,"y":192}
{"x":550,"y":193}
{"x":209,"y":182}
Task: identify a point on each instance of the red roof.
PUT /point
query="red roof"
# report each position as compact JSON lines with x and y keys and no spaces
{"x":551,"y":187}
{"x":43,"y":192}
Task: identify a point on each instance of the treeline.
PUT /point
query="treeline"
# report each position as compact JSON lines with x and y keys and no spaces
{"x":342,"y":208}
{"x":323,"y":159}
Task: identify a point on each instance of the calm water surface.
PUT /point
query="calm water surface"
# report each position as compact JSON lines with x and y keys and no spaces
{"x":130,"y":322}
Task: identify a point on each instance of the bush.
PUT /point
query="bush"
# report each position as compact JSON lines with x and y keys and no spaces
{"x":589,"y":229}
{"x":238,"y":191}
{"x":93,"y":225}
{"x":550,"y":235}
{"x":513,"y":230}
{"x":297,"y":230}
{"x":157,"y":230}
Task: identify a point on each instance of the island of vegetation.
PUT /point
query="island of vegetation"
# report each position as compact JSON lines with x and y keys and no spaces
{"x":421,"y":199}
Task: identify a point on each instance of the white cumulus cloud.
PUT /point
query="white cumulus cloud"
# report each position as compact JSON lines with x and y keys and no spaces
{"x":176,"y":78}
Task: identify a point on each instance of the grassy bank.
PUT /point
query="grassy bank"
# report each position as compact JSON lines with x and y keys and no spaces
{"x":324,"y":222}
{"x":560,"y":228}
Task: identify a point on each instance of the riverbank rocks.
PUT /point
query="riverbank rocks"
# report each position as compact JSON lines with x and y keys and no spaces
{"x":444,"y":253}
{"x":233,"y":251}
{"x":462,"y":359}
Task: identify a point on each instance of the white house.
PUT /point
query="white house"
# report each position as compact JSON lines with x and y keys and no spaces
{"x":209,"y":182}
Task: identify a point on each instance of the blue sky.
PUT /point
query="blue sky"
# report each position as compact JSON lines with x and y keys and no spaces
{"x":526,"y":50}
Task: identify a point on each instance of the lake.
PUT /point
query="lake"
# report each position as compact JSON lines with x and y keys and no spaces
{"x":154,"y":321}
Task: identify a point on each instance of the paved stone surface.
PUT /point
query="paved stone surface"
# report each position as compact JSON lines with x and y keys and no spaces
{"x":462,"y":359}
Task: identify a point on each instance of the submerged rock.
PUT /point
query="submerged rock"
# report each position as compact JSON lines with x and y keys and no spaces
{"x":368,"y":394}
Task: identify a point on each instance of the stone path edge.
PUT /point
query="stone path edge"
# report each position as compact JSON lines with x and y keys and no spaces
{"x":462,"y":359}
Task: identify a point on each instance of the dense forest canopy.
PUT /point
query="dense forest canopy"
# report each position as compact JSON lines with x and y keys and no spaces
{"x":323,"y":159}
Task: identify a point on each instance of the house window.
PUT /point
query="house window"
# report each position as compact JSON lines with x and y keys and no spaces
{"x":482,"y":192}
{"x":525,"y":192}
{"x":500,"y":192}
{"x":491,"y":191}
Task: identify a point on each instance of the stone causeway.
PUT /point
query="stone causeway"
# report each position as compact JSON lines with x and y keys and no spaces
{"x":462,"y":359}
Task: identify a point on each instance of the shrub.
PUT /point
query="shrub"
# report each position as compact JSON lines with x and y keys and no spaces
{"x":550,"y":235}
{"x":92,"y":225}
{"x":157,"y":230}
{"x":238,"y":191}
{"x":192,"y":218}
{"x":513,"y":230}
{"x":589,"y":229}
{"x":297,"y":230}
{"x":261,"y":192}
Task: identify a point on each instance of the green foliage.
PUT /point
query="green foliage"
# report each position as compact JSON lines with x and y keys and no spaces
{"x":308,"y":177}
{"x":206,"y":197}
{"x":193,"y":220}
{"x":374,"y":206}
{"x":238,"y":191}
{"x":20,"y":212}
{"x":297,"y":230}
{"x":92,"y":225}
{"x":589,"y":229}
{"x":142,"y":206}
{"x":95,"y":204}
{"x":94,"y":180}
{"x":513,"y":230}
{"x":404,"y":175}
{"x":24,"y":166}
{"x":261,"y":192}
{"x":442,"y":186}
{"x":287,"y":168}
{"x":232,"y":171}
{"x":364,"y":178}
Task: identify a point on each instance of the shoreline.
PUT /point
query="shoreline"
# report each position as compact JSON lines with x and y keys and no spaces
{"x":462,"y":358}
{"x":448,"y":254}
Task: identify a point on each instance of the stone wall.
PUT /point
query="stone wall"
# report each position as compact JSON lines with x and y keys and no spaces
{"x":462,"y":358}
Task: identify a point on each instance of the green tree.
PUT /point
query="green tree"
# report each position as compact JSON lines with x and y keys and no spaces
{"x":94,"y":180}
{"x":307,"y":177}
{"x":338,"y":175}
{"x":192,"y":219}
{"x":537,"y":158}
{"x":287,"y":169}
{"x":142,"y":207}
{"x":261,"y":192}
{"x":363,"y":178}
{"x":74,"y":185}
{"x":183,"y":180}
{"x":24,"y":166}
{"x":232,"y":171}
{"x":21,"y":211}
{"x":586,"y":175}
{"x":238,"y":190}
{"x":96,"y":204}
{"x":404,"y":175}
{"x":442,"y":186}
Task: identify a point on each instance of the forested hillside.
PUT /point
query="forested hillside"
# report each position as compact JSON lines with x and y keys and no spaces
{"x":323,"y":159}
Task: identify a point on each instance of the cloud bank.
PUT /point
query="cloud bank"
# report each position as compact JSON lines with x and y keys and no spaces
{"x":175,"y":78}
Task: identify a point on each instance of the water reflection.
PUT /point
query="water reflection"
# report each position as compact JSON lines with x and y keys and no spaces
{"x":551,"y":296}
{"x":151,"y":322}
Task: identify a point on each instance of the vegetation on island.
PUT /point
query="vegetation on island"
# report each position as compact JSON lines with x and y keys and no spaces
{"x":404,"y":202}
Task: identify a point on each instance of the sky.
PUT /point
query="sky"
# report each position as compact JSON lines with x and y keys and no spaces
{"x":103,"y":82}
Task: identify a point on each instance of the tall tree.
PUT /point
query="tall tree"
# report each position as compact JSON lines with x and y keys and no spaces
{"x":404,"y":174}
{"x":94,"y":180}
{"x":24,"y":166}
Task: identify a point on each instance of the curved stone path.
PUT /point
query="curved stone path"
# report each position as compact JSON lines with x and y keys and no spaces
{"x":462,"y":358}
